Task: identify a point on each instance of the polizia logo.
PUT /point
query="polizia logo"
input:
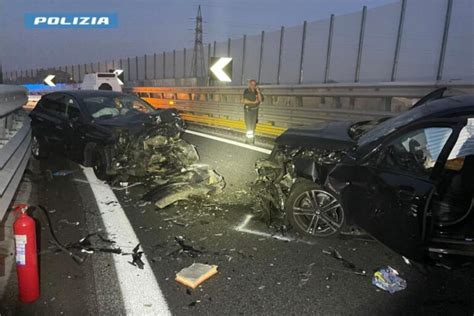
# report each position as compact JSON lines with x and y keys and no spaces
{"x":70,"y":20}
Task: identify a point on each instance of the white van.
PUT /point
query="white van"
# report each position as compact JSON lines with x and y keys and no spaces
{"x":101,"y":81}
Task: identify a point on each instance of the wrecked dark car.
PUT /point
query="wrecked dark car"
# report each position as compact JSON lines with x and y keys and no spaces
{"x":124,"y":139}
{"x":87,"y":126}
{"x":406,"y":180}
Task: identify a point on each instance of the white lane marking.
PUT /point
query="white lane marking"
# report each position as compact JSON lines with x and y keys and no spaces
{"x":105,"y":184}
{"x":232,"y":142}
{"x":243,"y":229}
{"x":140,"y":290}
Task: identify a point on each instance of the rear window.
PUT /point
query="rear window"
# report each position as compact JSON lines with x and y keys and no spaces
{"x":106,"y":75}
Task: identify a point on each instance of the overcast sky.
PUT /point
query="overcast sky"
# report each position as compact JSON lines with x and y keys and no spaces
{"x":147,"y":26}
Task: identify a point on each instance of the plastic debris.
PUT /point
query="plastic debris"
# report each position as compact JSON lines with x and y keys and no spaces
{"x":195,"y":274}
{"x":387,"y":279}
{"x":187,"y":249}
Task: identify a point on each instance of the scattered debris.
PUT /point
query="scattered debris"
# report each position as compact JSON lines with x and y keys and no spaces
{"x":195,"y":274}
{"x":62,"y":173}
{"x":306,"y":275}
{"x":184,"y":248}
{"x":66,"y":221}
{"x":87,"y":246}
{"x":197,"y":180}
{"x":137,"y":257}
{"x":346,"y":263}
{"x":387,"y":279}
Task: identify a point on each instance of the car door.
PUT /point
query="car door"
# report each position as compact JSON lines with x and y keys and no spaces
{"x":74,"y":129}
{"x":391,"y":188}
{"x":49,"y":121}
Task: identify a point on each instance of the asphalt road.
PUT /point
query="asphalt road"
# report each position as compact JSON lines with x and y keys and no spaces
{"x":259,"y":274}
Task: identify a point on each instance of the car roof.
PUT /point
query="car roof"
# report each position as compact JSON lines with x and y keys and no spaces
{"x":80,"y":94}
{"x":454,"y":104}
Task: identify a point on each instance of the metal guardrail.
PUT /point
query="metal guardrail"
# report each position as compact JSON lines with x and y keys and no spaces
{"x":293,"y":105}
{"x":15,"y":142}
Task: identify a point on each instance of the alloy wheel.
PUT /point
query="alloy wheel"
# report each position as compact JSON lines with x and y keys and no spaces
{"x":318,"y":213}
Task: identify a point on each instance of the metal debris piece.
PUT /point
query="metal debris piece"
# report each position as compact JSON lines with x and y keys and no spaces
{"x":184,"y":248}
{"x":197,"y":180}
{"x":137,"y":257}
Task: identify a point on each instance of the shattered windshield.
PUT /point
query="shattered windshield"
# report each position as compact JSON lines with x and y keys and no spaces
{"x":389,"y":125}
{"x":117,"y":105}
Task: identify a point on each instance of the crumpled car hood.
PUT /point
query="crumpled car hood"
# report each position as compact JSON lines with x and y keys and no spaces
{"x":331,"y":136}
{"x":135,"y":122}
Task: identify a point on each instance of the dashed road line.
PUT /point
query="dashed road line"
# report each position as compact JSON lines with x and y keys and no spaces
{"x":140,"y":291}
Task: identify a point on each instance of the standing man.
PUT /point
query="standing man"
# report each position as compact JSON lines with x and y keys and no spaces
{"x":252,"y":99}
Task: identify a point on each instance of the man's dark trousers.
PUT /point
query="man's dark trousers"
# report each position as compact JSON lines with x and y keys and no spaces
{"x":251,"y":118}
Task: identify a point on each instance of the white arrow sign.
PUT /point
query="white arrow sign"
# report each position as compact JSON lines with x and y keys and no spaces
{"x":49,"y":80}
{"x":117,"y":73}
{"x":217,"y":69}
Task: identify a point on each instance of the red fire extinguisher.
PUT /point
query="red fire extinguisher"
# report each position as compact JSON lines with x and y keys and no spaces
{"x":26,"y":255}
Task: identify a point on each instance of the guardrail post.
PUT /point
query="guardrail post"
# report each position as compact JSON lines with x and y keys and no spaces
{"x":328,"y":52}
{"x":262,"y":39}
{"x":9,"y":122}
{"x":282,"y":34}
{"x":3,"y":130}
{"x":244,"y":48}
{"x":228,"y":47}
{"x":399,"y":40}
{"x":442,"y":53}
{"x":303,"y":42}
{"x":388,"y":104}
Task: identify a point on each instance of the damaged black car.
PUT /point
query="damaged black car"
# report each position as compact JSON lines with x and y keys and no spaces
{"x":406,"y":180}
{"x":100,"y":129}
{"x":125,"y":140}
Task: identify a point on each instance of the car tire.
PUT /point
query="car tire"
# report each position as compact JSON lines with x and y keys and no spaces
{"x":94,"y":157}
{"x":38,"y":148}
{"x":314,"y":211}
